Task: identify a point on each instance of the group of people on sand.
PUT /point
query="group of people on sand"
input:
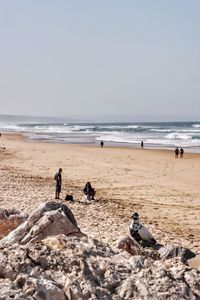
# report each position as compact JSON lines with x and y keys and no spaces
{"x":137,"y":230}
{"x":88,"y":190}
{"x":179,"y":152}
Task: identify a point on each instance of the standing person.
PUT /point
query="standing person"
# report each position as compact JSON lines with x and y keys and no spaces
{"x":181,"y":153}
{"x":142,"y":144}
{"x":176,"y":152}
{"x":58,"y":179}
{"x":102,"y":144}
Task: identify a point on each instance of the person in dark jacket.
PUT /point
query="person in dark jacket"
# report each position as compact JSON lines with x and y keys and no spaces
{"x":89,"y":191}
{"x":181,"y":153}
{"x":176,"y":152}
{"x":58,"y":179}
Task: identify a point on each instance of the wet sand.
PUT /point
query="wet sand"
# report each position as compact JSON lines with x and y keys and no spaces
{"x":165,"y":191}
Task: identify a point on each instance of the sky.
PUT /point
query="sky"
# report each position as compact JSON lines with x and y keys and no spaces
{"x":100,"y":58}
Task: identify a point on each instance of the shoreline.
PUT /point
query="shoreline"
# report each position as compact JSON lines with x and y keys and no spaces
{"x":164,"y":190}
{"x":155,"y":135}
{"x":112,"y":145}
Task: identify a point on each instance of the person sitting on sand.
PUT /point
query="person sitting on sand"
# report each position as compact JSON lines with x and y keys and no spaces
{"x":181,"y":153}
{"x":89,"y":191}
{"x":176,"y":152}
{"x":58,"y":179}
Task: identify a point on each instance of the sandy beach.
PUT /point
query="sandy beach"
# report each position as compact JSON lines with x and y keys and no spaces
{"x":163,"y":190}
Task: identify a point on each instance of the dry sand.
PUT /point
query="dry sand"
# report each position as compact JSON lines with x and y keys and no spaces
{"x":165,"y":191}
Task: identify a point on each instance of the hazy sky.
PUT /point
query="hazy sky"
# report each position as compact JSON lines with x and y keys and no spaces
{"x":106,"y":57}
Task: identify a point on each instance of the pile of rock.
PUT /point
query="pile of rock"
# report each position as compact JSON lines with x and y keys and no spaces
{"x":72,"y":266}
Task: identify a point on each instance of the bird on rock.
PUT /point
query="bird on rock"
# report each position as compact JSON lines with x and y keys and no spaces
{"x":139,"y":232}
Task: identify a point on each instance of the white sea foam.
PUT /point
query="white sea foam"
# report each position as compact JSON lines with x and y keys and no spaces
{"x":176,"y":135}
{"x":196,"y":125}
{"x":119,"y":139}
{"x":161,"y":130}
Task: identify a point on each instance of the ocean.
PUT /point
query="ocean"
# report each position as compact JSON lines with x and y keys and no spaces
{"x":167,"y":135}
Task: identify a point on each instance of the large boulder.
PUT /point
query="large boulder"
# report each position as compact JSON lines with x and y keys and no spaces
{"x":10,"y":219}
{"x":48,"y":219}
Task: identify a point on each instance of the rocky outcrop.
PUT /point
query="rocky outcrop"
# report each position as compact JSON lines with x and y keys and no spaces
{"x":38,"y":264}
{"x":48,"y":219}
{"x":9,"y":220}
{"x":69,"y":267}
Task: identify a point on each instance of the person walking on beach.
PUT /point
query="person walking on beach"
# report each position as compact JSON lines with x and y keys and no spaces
{"x":181,"y":153}
{"x":58,"y":179}
{"x":142,"y":144}
{"x":102,"y":144}
{"x":176,"y":152}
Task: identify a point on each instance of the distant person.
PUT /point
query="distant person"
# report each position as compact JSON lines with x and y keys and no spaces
{"x":102,"y":144}
{"x":181,"y":153}
{"x":142,"y":144}
{"x":176,"y":152}
{"x":89,"y":191}
{"x":58,"y":179}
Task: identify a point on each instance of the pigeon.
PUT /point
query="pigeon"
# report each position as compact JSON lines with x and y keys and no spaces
{"x":138,"y":231}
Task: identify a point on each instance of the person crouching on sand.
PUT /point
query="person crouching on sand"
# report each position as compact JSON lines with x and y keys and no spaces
{"x":58,"y":179}
{"x":89,"y":191}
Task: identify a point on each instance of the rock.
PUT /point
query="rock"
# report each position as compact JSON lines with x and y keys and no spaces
{"x":171,"y":251}
{"x":10,"y":219}
{"x":130,"y":245}
{"x":137,"y":262}
{"x":73,"y":266}
{"x":41,"y":288}
{"x":48,"y":219}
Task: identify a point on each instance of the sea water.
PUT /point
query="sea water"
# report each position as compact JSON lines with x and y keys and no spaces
{"x":166,"y":135}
